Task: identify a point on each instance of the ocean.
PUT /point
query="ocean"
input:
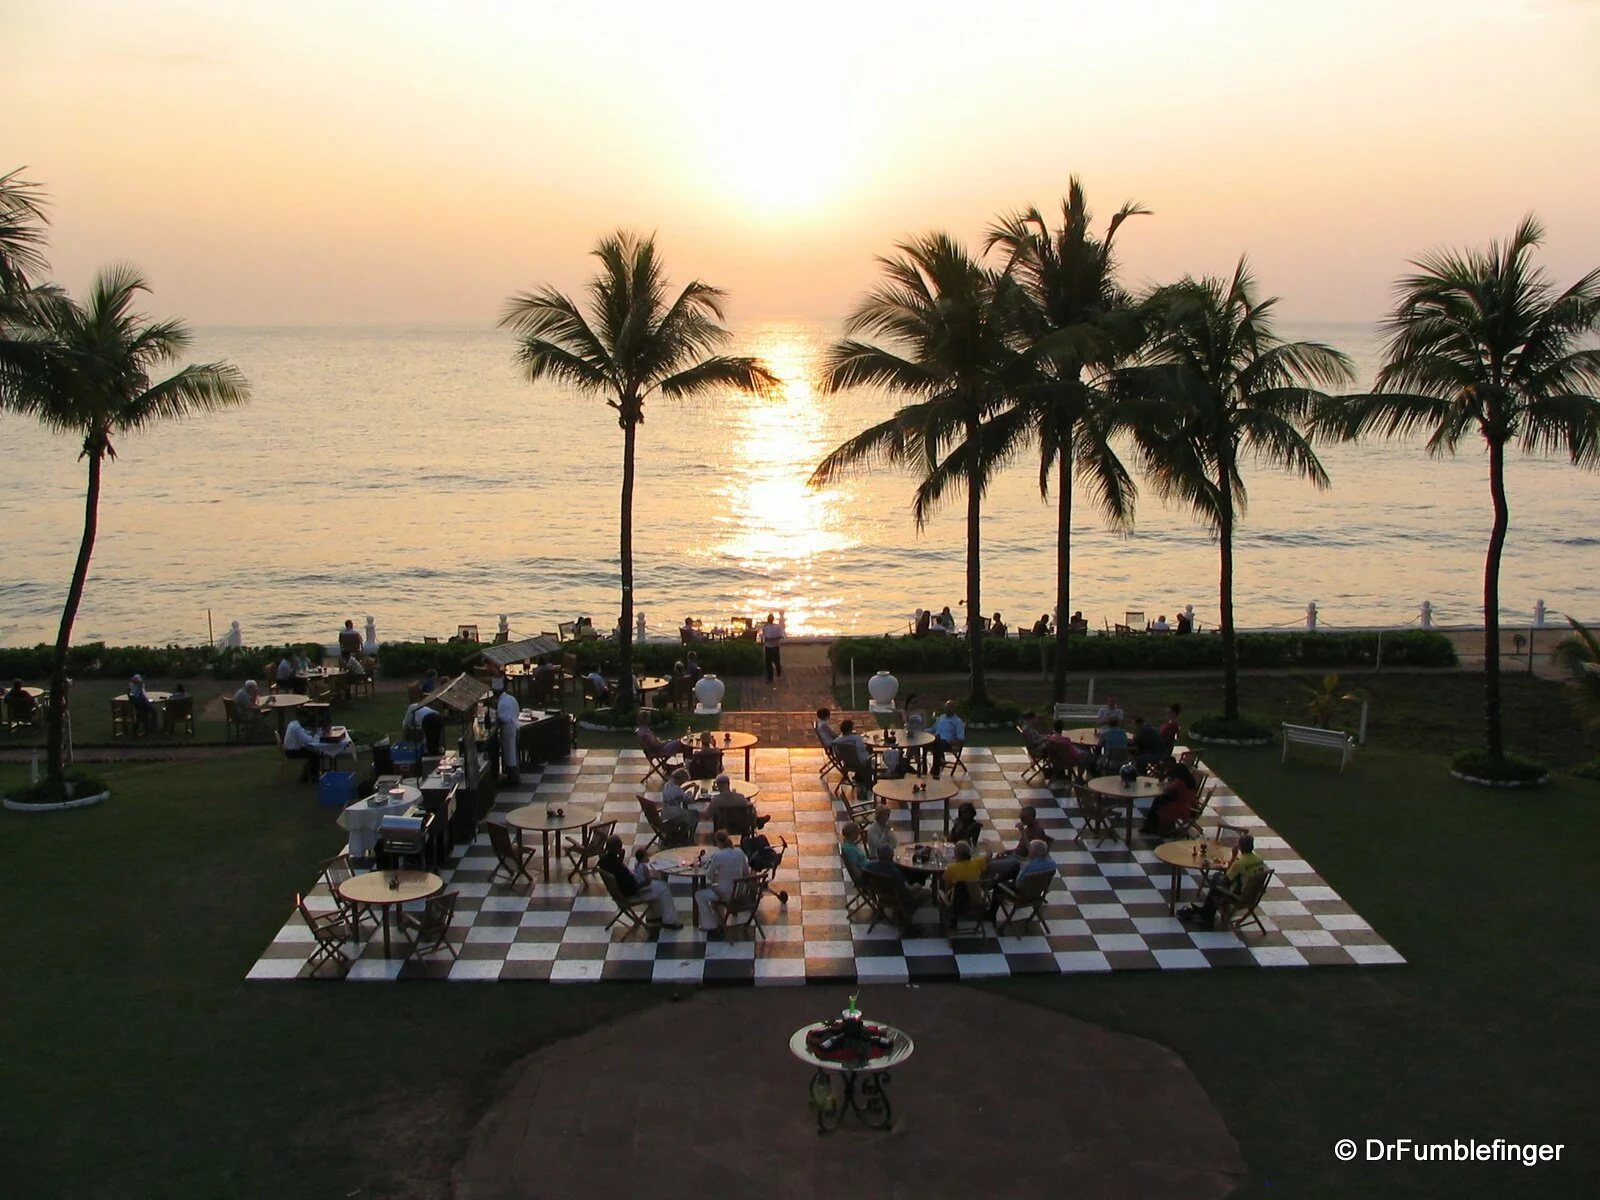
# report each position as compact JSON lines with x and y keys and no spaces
{"x":410,"y":474}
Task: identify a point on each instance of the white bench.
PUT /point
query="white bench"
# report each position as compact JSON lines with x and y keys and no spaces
{"x":1077,"y":712}
{"x":1327,"y":739}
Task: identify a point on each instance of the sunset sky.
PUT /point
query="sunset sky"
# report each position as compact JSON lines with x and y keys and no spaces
{"x":373,"y":162}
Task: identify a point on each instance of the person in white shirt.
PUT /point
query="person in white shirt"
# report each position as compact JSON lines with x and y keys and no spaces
{"x":945,"y":622}
{"x":912,"y":716}
{"x":1108,"y":711}
{"x":677,"y":802}
{"x":286,"y":680}
{"x":142,"y":704}
{"x":726,"y":865}
{"x":300,"y":742}
{"x":949,"y":733}
{"x":599,"y":686}
{"x":879,"y":832}
{"x":852,"y":748}
{"x":425,"y":722}
{"x":826,"y":733}
{"x":506,"y":712}
{"x":244,"y":702}
{"x":772,"y":640}
{"x":1161,"y":625}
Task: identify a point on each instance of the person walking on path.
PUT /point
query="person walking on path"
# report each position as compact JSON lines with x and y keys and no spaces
{"x":772,"y":640}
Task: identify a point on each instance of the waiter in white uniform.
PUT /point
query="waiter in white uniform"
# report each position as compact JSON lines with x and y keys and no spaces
{"x":506,"y":711}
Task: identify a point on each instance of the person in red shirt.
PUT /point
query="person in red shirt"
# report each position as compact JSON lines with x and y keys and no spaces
{"x":1169,"y":727}
{"x":1174,"y":803}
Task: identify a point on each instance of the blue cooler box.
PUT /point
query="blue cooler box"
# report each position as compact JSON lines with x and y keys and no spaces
{"x":338,"y":788}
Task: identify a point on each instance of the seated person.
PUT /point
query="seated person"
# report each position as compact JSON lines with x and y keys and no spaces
{"x":949,"y":733}
{"x":879,"y":833}
{"x":677,"y":802}
{"x":1037,"y":862}
{"x":640,"y":879}
{"x":1067,"y":758}
{"x":1108,"y":710}
{"x":429,"y":682}
{"x":1170,"y":727}
{"x":883,"y":866}
{"x":143,"y":706}
{"x":1114,"y":744}
{"x":923,"y":624}
{"x":1185,"y":623}
{"x":855,"y":858}
{"x":285,"y":675}
{"x":1077,"y":624}
{"x":1149,"y":747}
{"x":1161,"y":625}
{"x":598,"y":687}
{"x":853,"y":751}
{"x":306,"y":744}
{"x":997,"y":627}
{"x":689,"y":633}
{"x":1041,"y":627}
{"x":1173,"y":803}
{"x":1230,"y":885}
{"x":244,"y":700}
{"x":650,"y":742}
{"x":966,"y":827}
{"x":826,"y":733}
{"x":1006,"y":866}
{"x":961,"y":877}
{"x":20,"y":704}
{"x":912,"y":716}
{"x":725,"y":800}
{"x":945,"y":622}
{"x":353,"y":667}
{"x":723,"y":868}
{"x":691,"y":664}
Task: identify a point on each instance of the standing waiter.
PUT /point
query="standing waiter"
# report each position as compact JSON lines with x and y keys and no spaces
{"x":506,"y":711}
{"x":772,"y":639}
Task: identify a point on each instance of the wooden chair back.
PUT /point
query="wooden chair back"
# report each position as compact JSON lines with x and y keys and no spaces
{"x":1236,"y":913}
{"x":124,"y":719}
{"x":512,"y":859}
{"x":740,"y":909}
{"x":432,"y":928}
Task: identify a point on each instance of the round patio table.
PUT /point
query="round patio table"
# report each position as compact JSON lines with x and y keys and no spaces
{"x":540,"y":819}
{"x":940,"y":856}
{"x":1086,"y":735}
{"x":724,"y":742}
{"x":915,"y":745}
{"x":1185,"y":856}
{"x":1112,"y":787}
{"x":897,"y":793}
{"x":871,"y":1076}
{"x":684,"y":862}
{"x":281,"y":703}
{"x":390,"y":889}
{"x":704,"y":789}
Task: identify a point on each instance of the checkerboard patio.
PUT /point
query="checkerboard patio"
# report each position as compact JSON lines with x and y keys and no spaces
{"x":1107,"y":909}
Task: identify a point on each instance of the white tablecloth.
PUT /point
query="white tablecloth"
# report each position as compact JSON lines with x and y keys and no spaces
{"x":361,"y":819}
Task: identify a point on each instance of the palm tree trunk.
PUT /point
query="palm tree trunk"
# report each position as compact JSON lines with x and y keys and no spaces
{"x":630,"y":433}
{"x":1230,"y":657}
{"x":1058,"y":682}
{"x":978,"y":693}
{"x":1491,"y":600}
{"x":56,"y":722}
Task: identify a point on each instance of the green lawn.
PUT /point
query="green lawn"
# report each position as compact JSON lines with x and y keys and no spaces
{"x":138,"y":1063}
{"x":1429,"y":712}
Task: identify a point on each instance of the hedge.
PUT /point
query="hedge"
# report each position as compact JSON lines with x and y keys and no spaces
{"x":96,"y":660}
{"x":945,"y":655}
{"x":656,"y":658}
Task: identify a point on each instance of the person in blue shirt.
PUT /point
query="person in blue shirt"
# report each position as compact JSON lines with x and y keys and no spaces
{"x":949,"y":733}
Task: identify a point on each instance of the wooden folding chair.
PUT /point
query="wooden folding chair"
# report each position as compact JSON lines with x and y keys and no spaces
{"x":660,"y":764}
{"x":124,"y":719}
{"x":667,"y":833}
{"x":1189,"y":827}
{"x":514,"y":859}
{"x":584,"y":854}
{"x":740,"y":910}
{"x":958,"y":900}
{"x":1237,"y":910}
{"x":331,"y":931}
{"x":1022,"y":900}
{"x":1038,"y":761}
{"x":334,"y":872}
{"x":431,"y":929}
{"x":634,"y":909}
{"x":1097,"y":813}
{"x":863,"y":900}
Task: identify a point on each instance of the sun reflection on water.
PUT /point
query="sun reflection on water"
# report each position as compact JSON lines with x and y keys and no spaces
{"x":775,"y":526}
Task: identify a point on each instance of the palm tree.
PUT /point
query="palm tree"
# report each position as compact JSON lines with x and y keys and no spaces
{"x":940,"y":310}
{"x":1076,"y":322}
{"x":22,"y":223}
{"x":1482,"y":342}
{"x":635,"y":340}
{"x":1219,"y":385}
{"x":93,"y":380}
